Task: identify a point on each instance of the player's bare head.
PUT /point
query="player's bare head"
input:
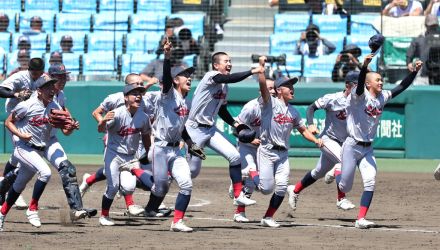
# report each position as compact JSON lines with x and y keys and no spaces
{"x":134,"y":78}
{"x":270,"y":84}
{"x":221,"y":62}
{"x":374,"y":82}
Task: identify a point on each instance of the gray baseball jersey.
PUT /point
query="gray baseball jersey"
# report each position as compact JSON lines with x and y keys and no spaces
{"x":251,"y":116}
{"x":208,"y":97}
{"x":150,"y":100}
{"x":124,"y":131}
{"x":32,"y":118}
{"x":172,"y":112}
{"x":17,"y":82}
{"x":364,"y":113}
{"x":335,"y":115}
{"x":113,"y":101}
{"x":277,"y":122}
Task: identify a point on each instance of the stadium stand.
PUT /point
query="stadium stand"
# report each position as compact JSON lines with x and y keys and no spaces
{"x":5,"y":41}
{"x":291,"y":22}
{"x":156,"y":6}
{"x":10,"y":6}
{"x":75,"y":6}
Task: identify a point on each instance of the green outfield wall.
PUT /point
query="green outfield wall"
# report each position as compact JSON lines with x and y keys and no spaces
{"x":408,"y":128}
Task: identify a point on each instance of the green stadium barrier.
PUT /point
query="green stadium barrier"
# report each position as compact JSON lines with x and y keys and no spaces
{"x":408,"y":128}
{"x":394,"y":50}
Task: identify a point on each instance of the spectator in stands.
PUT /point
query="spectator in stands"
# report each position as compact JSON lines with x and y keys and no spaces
{"x":169,"y":33}
{"x":36,"y":26}
{"x":187,"y":43}
{"x":23,"y":57}
{"x":433,"y":8}
{"x":346,"y":61}
{"x":55,"y":57}
{"x":24,"y":43}
{"x":419,"y":48}
{"x":313,"y":44}
{"x":4,"y":22}
{"x":66,"y":44}
{"x":399,"y":8}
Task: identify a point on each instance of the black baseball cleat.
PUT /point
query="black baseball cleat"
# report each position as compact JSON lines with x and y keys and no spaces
{"x":158,"y":213}
{"x":91,"y":212}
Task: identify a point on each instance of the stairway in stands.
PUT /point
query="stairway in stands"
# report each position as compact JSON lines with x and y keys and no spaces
{"x":247,"y":32}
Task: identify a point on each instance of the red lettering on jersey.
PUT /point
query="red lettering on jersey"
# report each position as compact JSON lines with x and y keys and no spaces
{"x":38,"y":121}
{"x":373,"y":111}
{"x":219,"y":95}
{"x":181,"y":111}
{"x":126,"y":131}
{"x":342,"y":115}
{"x":256,"y":122}
{"x":283,"y":119}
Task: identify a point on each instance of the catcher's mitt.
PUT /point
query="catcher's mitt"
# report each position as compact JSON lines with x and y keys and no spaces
{"x":61,"y":119}
{"x":197,"y":151}
{"x":24,"y":94}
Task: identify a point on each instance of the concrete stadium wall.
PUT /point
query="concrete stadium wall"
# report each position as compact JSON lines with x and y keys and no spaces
{"x":416,"y":112}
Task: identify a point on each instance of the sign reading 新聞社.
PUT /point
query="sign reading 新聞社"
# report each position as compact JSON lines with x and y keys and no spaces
{"x":390,"y":132}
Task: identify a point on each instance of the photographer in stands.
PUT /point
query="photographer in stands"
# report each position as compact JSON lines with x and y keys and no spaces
{"x":313,"y":44}
{"x":346,"y":61}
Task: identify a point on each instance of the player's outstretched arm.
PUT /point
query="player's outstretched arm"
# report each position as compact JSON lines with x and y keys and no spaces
{"x":167,"y":79}
{"x":309,"y":115}
{"x":262,"y":80}
{"x":407,"y":81}
{"x":223,"y":112}
{"x":363,"y":74}
{"x":309,"y":136}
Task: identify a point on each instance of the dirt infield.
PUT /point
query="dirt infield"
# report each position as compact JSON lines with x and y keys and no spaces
{"x":404,"y":207}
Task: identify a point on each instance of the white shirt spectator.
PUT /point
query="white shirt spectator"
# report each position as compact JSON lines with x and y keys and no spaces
{"x":396,"y":11}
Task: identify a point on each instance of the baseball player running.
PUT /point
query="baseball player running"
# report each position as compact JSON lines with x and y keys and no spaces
{"x":29,"y":121}
{"x":366,"y":103}
{"x":208,"y":101}
{"x":125,"y":126}
{"x":250,"y":115}
{"x":333,"y":135}
{"x":16,"y":88}
{"x":278,"y":119}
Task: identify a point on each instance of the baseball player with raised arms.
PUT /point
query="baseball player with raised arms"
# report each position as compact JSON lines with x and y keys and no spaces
{"x":125,"y":126}
{"x":16,"y":88}
{"x":250,"y":115}
{"x":333,"y":135}
{"x":29,"y":121}
{"x":366,"y":103}
{"x":278,"y":119}
{"x":209,"y":100}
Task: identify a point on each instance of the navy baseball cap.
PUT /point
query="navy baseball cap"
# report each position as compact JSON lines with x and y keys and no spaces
{"x":58,"y":69}
{"x":131,"y":87}
{"x":376,"y":42}
{"x":181,"y":71}
{"x":46,"y":81}
{"x":352,"y":77}
{"x":285,"y":81}
{"x":36,"y":64}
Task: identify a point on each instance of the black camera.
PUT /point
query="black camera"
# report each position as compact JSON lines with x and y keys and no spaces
{"x":345,"y":58}
{"x":311,"y":35}
{"x":280,"y":60}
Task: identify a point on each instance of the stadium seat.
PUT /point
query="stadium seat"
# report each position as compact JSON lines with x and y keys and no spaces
{"x":364,"y":24}
{"x":336,"y":39}
{"x":190,"y":60}
{"x":152,"y":40}
{"x":140,"y":61}
{"x":12,"y":17}
{"x":291,"y":22}
{"x":38,"y":42}
{"x":105,"y":41}
{"x":283,"y":43}
{"x":73,"y":22}
{"x":47,"y":16}
{"x":157,"y":6}
{"x":10,"y":6}
{"x":294,"y":64}
{"x":5,"y":41}
{"x":108,"y":21}
{"x":41,"y":5}
{"x":121,"y":5}
{"x":374,"y":63}
{"x":70,"y":60}
{"x":12,"y":62}
{"x":193,"y":21}
{"x":99,"y":63}
{"x":331,"y":24}
{"x":394,"y":50}
{"x":360,"y":40}
{"x":86,"y":6}
{"x":135,"y":42}
{"x":3,"y":68}
{"x":125,"y":61}
{"x":148,"y":21}
{"x":321,"y":66}
{"x":77,"y":37}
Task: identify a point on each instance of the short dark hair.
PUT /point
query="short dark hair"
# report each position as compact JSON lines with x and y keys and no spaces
{"x":215,"y":57}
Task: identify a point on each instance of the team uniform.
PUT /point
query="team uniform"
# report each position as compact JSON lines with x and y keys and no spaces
{"x":124,"y":132}
{"x":32,"y":117}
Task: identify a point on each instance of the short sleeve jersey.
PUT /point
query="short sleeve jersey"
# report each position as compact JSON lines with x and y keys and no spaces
{"x":124,"y":131}
{"x":207,"y":99}
{"x":277,"y":122}
{"x":32,"y":118}
{"x":364,"y":113}
{"x":113,"y":101}
{"x":396,"y":11}
{"x":17,"y":82}
{"x":251,"y":116}
{"x":335,"y":115}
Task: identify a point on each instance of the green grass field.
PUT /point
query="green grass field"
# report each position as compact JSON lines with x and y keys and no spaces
{"x":387,"y":165}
